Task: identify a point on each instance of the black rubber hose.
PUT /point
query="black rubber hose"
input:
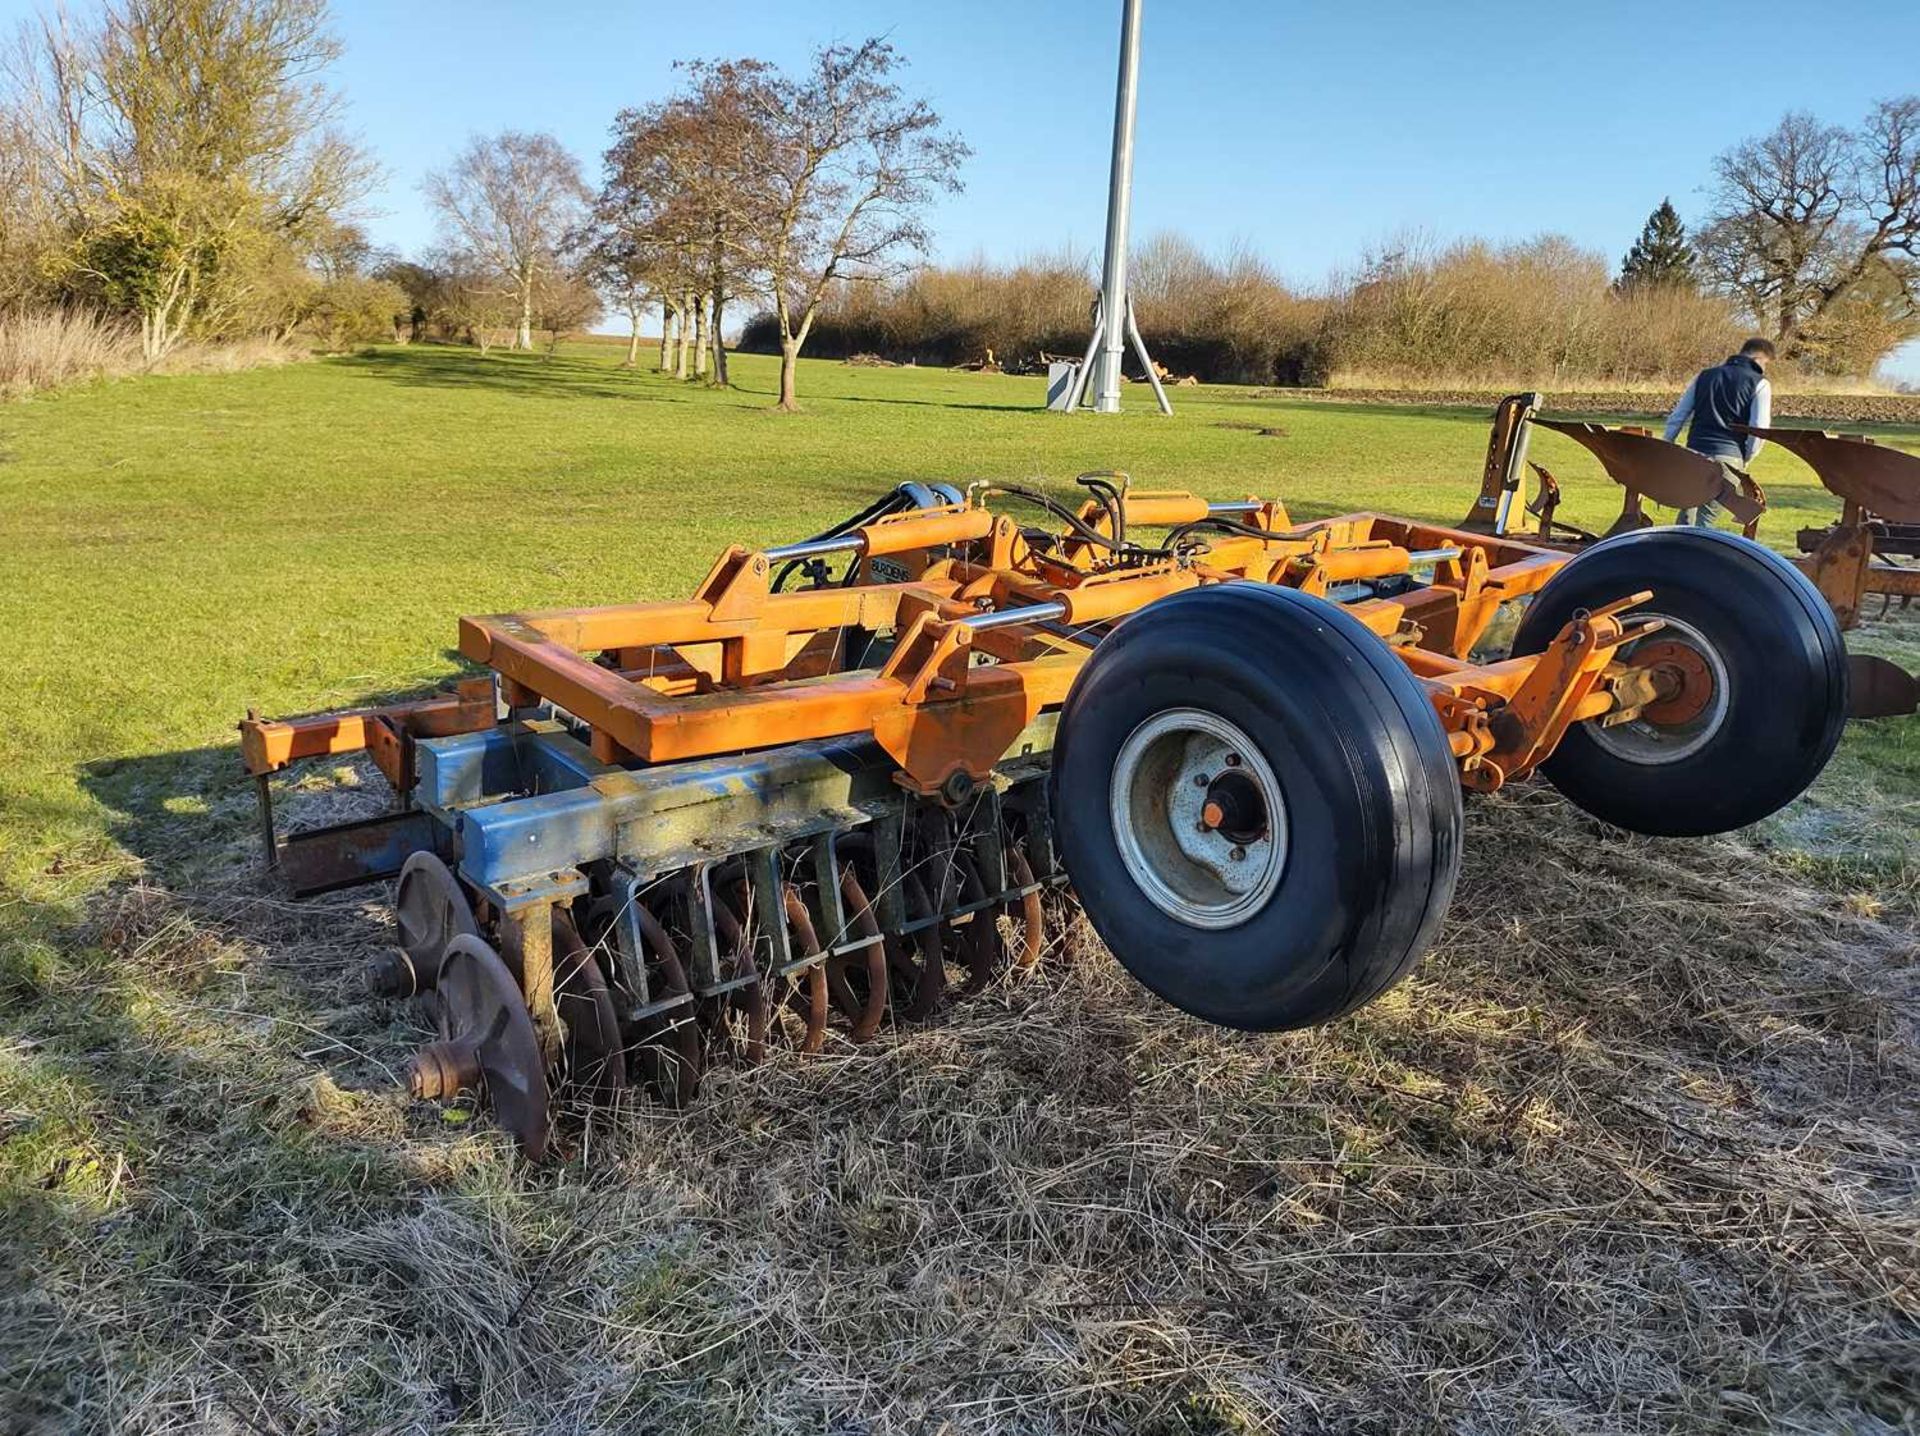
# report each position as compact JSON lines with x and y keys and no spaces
{"x":1060,"y":511}
{"x":1109,"y":497}
{"x":891,"y":502}
{"x":1221,"y":524}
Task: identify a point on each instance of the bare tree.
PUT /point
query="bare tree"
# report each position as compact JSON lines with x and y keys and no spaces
{"x":839,"y":191}
{"x":28,"y":227}
{"x":566,"y":302}
{"x":425,"y":289}
{"x":469,"y":301}
{"x":694,"y":175}
{"x":188,"y":148}
{"x":641,"y":216}
{"x":1811,"y":216}
{"x":625,"y":270}
{"x":633,"y":247}
{"x":509,"y":202}
{"x":669,"y":326}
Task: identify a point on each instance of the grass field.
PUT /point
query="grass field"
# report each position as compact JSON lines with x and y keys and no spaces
{"x":1636,"y":1150}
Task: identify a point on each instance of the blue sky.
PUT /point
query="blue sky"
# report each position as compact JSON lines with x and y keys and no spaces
{"x":1307,"y":132}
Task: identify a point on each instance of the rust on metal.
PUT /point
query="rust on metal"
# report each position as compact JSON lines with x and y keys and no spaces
{"x":1681,"y":679}
{"x":813,"y":922}
{"x":666,"y":1039}
{"x":486,"y":1040}
{"x":430,"y":909}
{"x":595,"y":1051}
{"x":1868,"y":553}
{"x":1868,"y":550}
{"x":1882,"y":480}
{"x":1879,"y":688}
{"x":1649,"y":467}
{"x":857,"y":972}
{"x":349,"y":854}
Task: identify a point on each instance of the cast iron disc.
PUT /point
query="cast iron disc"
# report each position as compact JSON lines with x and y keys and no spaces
{"x":430,"y":910}
{"x":666,"y":1046}
{"x":480,"y":1003}
{"x":857,"y":979}
{"x":596,"y":1057}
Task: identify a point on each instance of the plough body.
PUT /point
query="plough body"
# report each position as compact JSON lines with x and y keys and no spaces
{"x":1868,"y":552}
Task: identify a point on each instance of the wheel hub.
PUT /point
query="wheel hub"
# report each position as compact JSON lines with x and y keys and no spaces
{"x":1198,"y":817}
{"x":1235,"y":808}
{"x":1694,"y":703}
{"x":487,"y":1040}
{"x":1686,"y":681}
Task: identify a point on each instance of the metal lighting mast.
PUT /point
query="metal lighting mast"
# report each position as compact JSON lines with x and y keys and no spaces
{"x":1113,"y":323}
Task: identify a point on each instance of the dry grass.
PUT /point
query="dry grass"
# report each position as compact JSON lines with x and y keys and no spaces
{"x":1542,"y":307}
{"x":1418,"y":315}
{"x":46,"y":348}
{"x":1635,"y":1151}
{"x":1828,"y":408}
{"x":230,"y":356}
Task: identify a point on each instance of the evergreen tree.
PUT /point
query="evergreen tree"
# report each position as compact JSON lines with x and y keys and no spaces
{"x":1661,"y":255}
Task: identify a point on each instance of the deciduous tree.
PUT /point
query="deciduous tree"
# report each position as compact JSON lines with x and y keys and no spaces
{"x":844,"y":168}
{"x":565,"y":303}
{"x":508,"y":203}
{"x":353,"y":308}
{"x":625,"y":269}
{"x":1812,"y":217}
{"x":187,"y":149}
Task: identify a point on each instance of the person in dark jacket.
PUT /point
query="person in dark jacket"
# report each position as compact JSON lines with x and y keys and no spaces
{"x":1735,"y":392}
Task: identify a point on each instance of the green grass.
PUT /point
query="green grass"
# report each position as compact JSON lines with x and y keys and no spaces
{"x":177,"y":549}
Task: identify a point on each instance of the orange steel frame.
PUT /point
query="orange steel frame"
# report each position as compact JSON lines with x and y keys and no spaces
{"x":738,"y":666}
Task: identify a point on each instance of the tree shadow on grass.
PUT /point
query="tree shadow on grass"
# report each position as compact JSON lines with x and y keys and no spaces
{"x":1649,"y":1018}
{"x":807,"y":399}
{"x":191,"y":815}
{"x":934,"y":404}
{"x":530,"y":375}
{"x":1474,"y":415}
{"x":201,"y":1125}
{"x":208,"y":1176}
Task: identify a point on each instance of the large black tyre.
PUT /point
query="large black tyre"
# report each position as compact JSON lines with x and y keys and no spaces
{"x":1771,"y":641}
{"x":1353,"y":874}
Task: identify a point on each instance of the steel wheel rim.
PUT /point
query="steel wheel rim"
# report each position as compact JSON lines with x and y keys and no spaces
{"x":1639,"y":741}
{"x":1167,"y":773}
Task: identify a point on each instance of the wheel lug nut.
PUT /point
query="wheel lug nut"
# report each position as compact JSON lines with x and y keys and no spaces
{"x":1200,"y":780}
{"x":1237,"y":854}
{"x":1211,"y":816}
{"x":1233,"y":760}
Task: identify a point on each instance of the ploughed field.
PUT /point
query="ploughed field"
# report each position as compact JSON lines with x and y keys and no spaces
{"x":1848,"y":413}
{"x":1635,"y":1149}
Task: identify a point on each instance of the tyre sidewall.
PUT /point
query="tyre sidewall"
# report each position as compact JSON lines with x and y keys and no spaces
{"x":1786,"y":680}
{"x":1362,"y":763}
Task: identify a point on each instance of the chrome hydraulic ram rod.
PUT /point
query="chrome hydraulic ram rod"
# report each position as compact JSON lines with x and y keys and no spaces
{"x":1005,"y":617}
{"x":815,"y":548}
